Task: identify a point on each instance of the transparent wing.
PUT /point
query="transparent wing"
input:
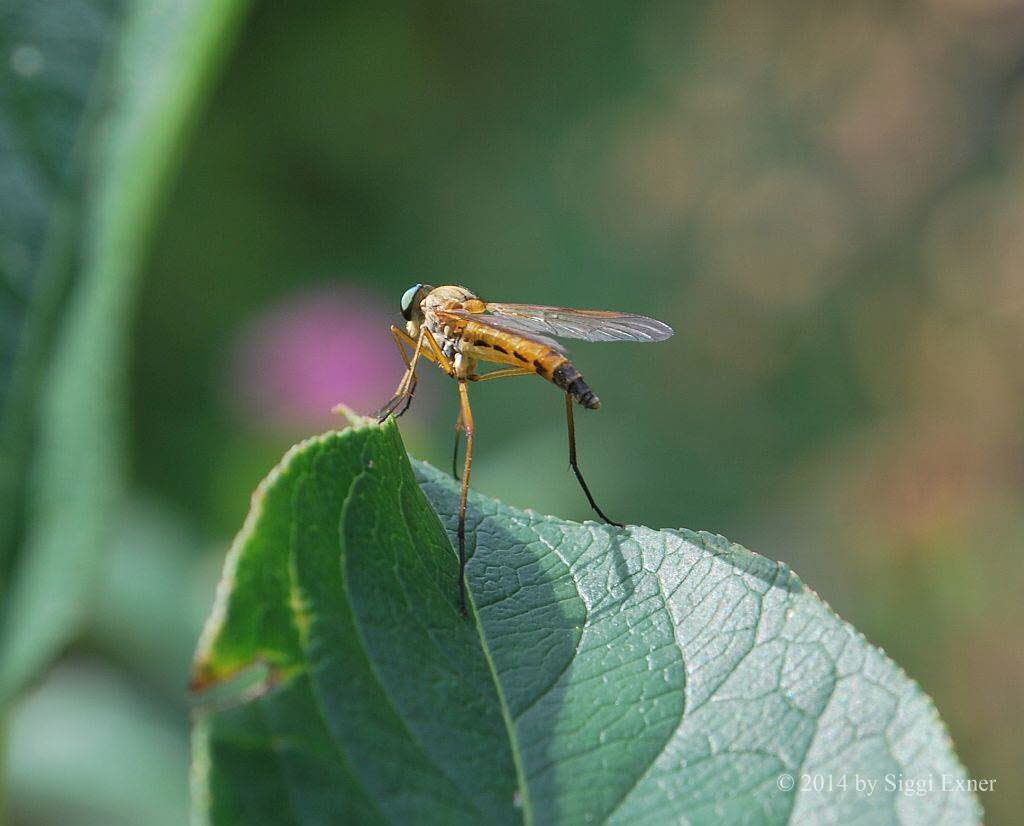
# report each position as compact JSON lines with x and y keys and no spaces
{"x":588,"y":325}
{"x":505,"y":325}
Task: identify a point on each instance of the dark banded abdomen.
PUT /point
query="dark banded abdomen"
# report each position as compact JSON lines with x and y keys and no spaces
{"x":571,"y":381}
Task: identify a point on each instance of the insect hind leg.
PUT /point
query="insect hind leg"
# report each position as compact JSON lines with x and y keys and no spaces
{"x":575,"y":465}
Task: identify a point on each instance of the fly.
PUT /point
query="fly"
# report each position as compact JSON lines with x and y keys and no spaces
{"x":456,"y":330}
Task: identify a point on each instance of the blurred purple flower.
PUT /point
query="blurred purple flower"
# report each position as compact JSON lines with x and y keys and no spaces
{"x":315,"y":348}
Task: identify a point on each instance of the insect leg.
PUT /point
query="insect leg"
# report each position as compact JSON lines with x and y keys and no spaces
{"x":496,"y":374}
{"x":437,"y":353}
{"x":407,"y":386}
{"x":455,"y":452}
{"x":467,"y":422}
{"x":576,"y":467}
{"x":505,"y":373}
{"x":400,"y":338}
{"x":403,"y":339}
{"x":434,"y":353}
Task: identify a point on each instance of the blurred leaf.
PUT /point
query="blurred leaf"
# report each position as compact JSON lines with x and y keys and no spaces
{"x":87,"y":748}
{"x":161,"y":62}
{"x":53,"y":51}
{"x":51,"y":56}
{"x":139,"y":620}
{"x":630,"y":676}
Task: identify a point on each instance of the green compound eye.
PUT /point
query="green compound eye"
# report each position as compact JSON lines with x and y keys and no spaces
{"x":407,"y":300}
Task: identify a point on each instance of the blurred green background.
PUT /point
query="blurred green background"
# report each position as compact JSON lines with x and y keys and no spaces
{"x":826,"y":201}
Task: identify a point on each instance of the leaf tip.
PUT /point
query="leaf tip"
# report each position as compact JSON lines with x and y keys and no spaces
{"x":200,"y":679}
{"x":354,"y":419}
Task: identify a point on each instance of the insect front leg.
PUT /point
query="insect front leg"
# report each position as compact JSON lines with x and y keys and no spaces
{"x":407,"y":386}
{"x":429,"y":348}
{"x":436,"y":354}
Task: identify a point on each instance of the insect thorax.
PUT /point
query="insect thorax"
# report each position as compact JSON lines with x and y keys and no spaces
{"x":448,"y":296}
{"x":450,"y":340}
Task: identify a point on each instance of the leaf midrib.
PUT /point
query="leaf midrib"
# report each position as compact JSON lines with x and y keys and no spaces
{"x":385,"y":691}
{"x":510,"y":722}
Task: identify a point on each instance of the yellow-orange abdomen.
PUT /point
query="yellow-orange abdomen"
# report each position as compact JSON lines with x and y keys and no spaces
{"x":490,"y":344}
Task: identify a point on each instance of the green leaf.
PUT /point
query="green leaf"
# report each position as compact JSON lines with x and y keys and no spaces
{"x":69,"y":398}
{"x":396,"y":719}
{"x":607,"y":675}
